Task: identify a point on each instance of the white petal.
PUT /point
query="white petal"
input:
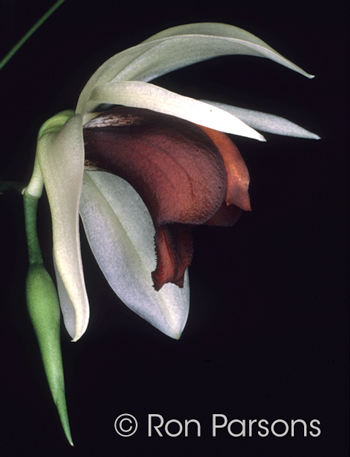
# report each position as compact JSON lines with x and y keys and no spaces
{"x":192,"y":43}
{"x":266,"y":122}
{"x":145,"y":95}
{"x":121,"y":235}
{"x":61,"y":158}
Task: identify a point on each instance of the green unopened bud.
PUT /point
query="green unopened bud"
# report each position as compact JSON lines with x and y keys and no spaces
{"x":44,"y":310}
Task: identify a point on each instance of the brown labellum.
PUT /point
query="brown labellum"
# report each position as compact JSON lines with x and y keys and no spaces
{"x":186,"y":175}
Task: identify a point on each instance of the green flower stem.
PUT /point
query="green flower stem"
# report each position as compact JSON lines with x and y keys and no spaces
{"x":30,"y":32}
{"x":44,"y":311}
{"x":30,"y":213}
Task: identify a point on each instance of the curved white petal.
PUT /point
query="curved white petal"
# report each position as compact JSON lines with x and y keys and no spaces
{"x":266,"y":122}
{"x":61,"y":158}
{"x":121,"y":235}
{"x":166,"y":52}
{"x":145,"y":95}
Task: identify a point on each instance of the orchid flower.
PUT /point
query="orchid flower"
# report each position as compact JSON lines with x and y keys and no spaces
{"x":142,"y":165}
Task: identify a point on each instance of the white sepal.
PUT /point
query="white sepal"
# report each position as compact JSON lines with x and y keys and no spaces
{"x":61,"y":158}
{"x":121,"y":235}
{"x":186,"y":45}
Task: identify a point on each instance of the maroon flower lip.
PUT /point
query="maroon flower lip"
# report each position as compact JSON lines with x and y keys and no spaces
{"x":186,"y":174}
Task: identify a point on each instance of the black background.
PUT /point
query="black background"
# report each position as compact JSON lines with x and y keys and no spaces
{"x":266,"y":336}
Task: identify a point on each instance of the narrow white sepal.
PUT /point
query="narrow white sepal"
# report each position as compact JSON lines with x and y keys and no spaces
{"x":186,"y":45}
{"x":61,"y":158}
{"x":121,"y":235}
{"x":266,"y":122}
{"x":145,"y":95}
